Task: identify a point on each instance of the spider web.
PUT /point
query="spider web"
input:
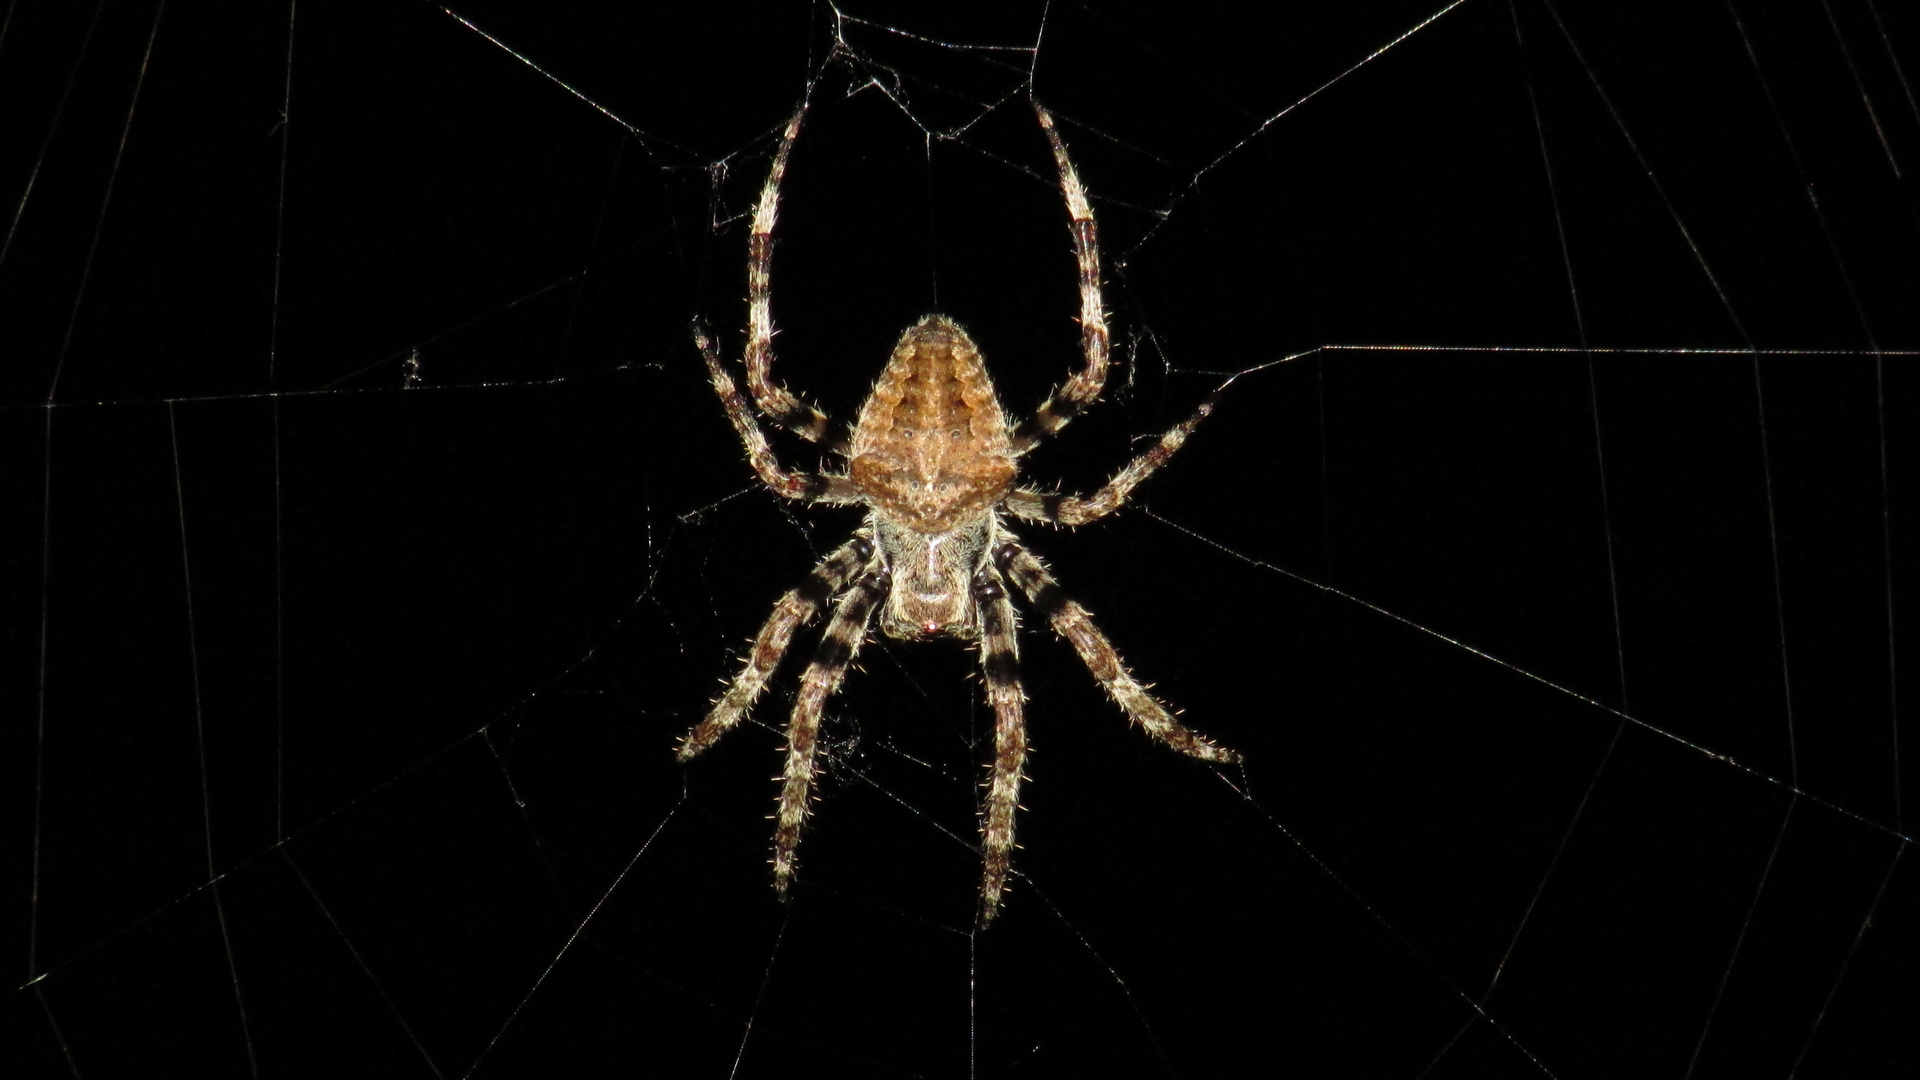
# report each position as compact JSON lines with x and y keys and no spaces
{"x":376,"y":535}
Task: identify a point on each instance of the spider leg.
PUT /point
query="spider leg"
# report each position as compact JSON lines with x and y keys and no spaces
{"x":1000,"y":661}
{"x":790,"y":484}
{"x":838,"y":646}
{"x":1079,"y":391}
{"x":796,"y":608}
{"x":780,"y":405}
{"x":1077,"y":510}
{"x":1072,"y":622}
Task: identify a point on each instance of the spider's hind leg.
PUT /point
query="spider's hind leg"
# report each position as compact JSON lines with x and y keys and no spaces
{"x":780,"y":405}
{"x":1083,"y":387}
{"x":787,"y":483}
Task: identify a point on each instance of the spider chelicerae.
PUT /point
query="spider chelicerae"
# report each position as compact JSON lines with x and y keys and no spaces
{"x":934,"y":460}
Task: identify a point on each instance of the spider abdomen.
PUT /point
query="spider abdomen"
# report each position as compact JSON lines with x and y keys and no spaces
{"x":931,"y":450}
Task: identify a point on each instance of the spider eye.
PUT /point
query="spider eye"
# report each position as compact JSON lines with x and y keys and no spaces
{"x":954,"y":434}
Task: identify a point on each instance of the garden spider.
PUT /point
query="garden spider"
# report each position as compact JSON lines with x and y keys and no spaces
{"x":933,"y":460}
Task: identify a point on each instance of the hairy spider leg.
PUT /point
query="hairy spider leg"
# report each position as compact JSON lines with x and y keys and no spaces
{"x":838,"y":646}
{"x":1072,"y":622}
{"x":795,"y":609}
{"x":779,"y":404}
{"x":1082,"y":388}
{"x":788,"y":484}
{"x":1030,"y":505}
{"x":1000,"y":664}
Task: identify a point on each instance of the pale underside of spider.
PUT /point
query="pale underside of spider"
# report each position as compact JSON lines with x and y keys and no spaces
{"x":934,"y":460}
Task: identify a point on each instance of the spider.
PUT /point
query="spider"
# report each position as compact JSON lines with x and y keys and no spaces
{"x":934,"y":460}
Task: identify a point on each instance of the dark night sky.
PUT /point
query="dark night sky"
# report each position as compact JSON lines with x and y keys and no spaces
{"x":425,"y":647}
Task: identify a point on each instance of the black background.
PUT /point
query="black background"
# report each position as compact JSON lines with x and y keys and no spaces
{"x":372,"y":534}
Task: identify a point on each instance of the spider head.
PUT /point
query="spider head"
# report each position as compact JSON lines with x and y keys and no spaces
{"x":931,"y":590}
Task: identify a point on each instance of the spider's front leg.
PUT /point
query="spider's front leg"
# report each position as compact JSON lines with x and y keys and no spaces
{"x":1000,"y":663}
{"x":1072,"y":622}
{"x":838,"y":646}
{"x":793,"y":610}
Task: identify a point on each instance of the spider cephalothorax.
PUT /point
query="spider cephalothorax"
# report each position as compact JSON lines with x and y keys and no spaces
{"x":934,"y":460}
